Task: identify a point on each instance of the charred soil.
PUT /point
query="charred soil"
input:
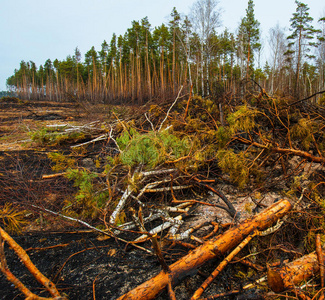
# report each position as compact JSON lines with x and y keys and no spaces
{"x":221,"y":186}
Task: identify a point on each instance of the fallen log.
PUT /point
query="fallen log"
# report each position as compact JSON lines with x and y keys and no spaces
{"x":292,"y":274}
{"x":210,"y":249}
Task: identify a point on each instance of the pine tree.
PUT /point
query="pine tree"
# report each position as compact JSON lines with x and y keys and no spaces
{"x":321,"y":54}
{"x":301,"y":41}
{"x":249,"y":34}
{"x":161,"y":38}
{"x":174,"y":31}
{"x":111,"y":56}
{"x":103,"y":56}
{"x":77,"y":60}
{"x":184,"y":36}
{"x":91,"y":58}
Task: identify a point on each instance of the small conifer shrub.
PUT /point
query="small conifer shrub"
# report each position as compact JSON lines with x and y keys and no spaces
{"x":150,"y":149}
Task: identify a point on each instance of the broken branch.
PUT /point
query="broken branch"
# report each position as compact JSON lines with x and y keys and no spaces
{"x":320,"y":258}
{"x":24,"y":258}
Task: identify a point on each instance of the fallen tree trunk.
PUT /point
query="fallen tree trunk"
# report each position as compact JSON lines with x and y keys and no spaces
{"x":293,"y":273}
{"x":210,"y":249}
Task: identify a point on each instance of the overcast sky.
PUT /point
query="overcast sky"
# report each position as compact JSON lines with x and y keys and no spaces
{"x":40,"y":29}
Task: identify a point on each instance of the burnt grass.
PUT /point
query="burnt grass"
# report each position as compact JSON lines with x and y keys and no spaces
{"x":82,"y":267}
{"x":79,"y":265}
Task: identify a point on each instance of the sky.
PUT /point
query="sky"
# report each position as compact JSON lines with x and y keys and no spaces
{"x":40,"y":29}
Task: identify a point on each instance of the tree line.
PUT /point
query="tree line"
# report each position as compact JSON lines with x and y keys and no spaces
{"x":151,"y":64}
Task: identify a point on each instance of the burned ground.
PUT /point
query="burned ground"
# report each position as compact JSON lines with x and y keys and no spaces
{"x":87,"y":265}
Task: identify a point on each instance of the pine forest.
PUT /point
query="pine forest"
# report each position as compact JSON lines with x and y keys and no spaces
{"x":151,"y":64}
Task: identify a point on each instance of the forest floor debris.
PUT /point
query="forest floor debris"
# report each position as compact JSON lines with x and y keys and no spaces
{"x":156,"y":173}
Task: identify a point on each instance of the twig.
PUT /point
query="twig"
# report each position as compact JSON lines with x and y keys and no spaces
{"x":158,"y":172}
{"x":53,"y":175}
{"x":186,"y":233}
{"x":15,"y":281}
{"x":94,"y":288}
{"x":155,"y":230}
{"x":150,"y":186}
{"x":100,"y":138}
{"x":137,"y":220}
{"x":152,"y":127}
{"x":122,"y":201}
{"x":161,"y":227}
{"x":188,"y":103}
{"x":168,"y":188}
{"x":157,"y":249}
{"x":165,"y":267}
{"x":230,"y":208}
{"x":120,"y":205}
{"x":171,"y":292}
{"x":199,"y":202}
{"x":111,"y":137}
{"x":11,"y":277}
{"x":194,"y":238}
{"x":213,"y":232}
{"x":292,"y":151}
{"x":162,"y":123}
{"x":150,"y":218}
{"x":46,"y":248}
{"x":250,"y":264}
{"x":89,"y":226}
{"x":225,"y":294}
